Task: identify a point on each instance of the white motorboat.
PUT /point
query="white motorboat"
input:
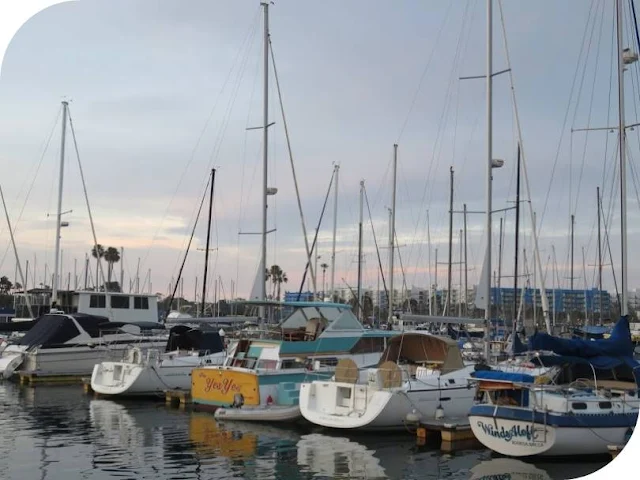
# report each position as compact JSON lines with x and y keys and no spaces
{"x":71,"y":344}
{"x":419,"y":376}
{"x":154,"y":372}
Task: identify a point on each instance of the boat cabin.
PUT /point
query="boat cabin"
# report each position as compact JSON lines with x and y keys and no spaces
{"x":116,"y":306}
{"x":318,"y":333}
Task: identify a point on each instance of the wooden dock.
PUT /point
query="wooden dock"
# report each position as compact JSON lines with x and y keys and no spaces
{"x":33,"y":379}
{"x":177,"y":398}
{"x":452,"y":433}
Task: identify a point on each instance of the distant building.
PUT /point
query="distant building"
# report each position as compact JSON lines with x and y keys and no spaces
{"x":298,"y":296}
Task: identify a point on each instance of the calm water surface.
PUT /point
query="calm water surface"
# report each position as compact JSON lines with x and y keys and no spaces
{"x":61,"y":433}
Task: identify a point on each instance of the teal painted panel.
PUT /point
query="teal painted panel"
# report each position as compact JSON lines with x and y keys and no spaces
{"x":293,"y":377}
{"x":319,"y":346}
{"x":254,"y":351}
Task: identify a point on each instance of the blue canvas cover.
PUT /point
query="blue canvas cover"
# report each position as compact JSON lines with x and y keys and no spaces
{"x":499,"y":376}
{"x":619,"y":344}
{"x":517,"y":345}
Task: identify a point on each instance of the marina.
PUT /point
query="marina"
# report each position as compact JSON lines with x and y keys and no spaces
{"x":305,"y":344}
{"x":59,"y":433}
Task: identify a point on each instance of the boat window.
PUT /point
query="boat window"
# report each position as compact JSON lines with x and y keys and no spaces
{"x":605,"y":405}
{"x":141,"y":303}
{"x":330,"y":313}
{"x":328,"y":362}
{"x":267,"y":364}
{"x":579,"y":405}
{"x":346,"y":321}
{"x":118,"y":301}
{"x":291,"y":363}
{"x":97,"y":301}
{"x":369,"y":345}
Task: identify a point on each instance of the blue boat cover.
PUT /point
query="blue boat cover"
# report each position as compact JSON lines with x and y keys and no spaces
{"x":619,"y":344}
{"x":603,"y":354}
{"x":517,"y":345}
{"x":499,"y":376}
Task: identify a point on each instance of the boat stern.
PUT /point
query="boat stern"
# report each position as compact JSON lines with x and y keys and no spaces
{"x":114,"y":378}
{"x":342,"y":405}
{"x":506,"y":431}
{"x":213,"y":387}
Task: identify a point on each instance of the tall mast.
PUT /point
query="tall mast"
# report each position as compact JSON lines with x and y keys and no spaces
{"x":623,"y":164}
{"x":206,"y":251}
{"x":360,"y":249}
{"x":500,"y":239}
{"x":265,"y":139}
{"x":23,"y":278}
{"x":448,"y":307}
{"x":335,"y":229}
{"x":466,"y":284}
{"x":56,"y":266}
{"x":599,"y":260}
{"x":460,"y":264}
{"x":584,"y":279}
{"x":489,"y":160}
{"x":392,"y":231}
{"x":435,"y":293}
{"x":515,"y":258}
{"x":572,"y":306}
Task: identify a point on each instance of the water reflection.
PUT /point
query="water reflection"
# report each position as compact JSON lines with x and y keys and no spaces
{"x":57,"y":433}
{"x":507,"y":468}
{"x":337,"y":457}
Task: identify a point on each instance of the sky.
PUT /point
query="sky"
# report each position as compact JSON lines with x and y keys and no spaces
{"x":163,"y":91}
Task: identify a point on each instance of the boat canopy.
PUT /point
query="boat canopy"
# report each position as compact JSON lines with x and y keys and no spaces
{"x":182,"y":337}
{"x":423,"y":349}
{"x":618,"y":344}
{"x":58,"y":329}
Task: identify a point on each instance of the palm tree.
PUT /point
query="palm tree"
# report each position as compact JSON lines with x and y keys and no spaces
{"x":277,"y":277}
{"x":97,"y":252}
{"x":111,"y":255}
{"x":324,"y":267}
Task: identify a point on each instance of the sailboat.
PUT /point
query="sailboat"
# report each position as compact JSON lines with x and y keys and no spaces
{"x":156,"y":371}
{"x":593,"y":400}
{"x":93,"y":325}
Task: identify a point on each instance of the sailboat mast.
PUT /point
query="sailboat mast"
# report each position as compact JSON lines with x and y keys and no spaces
{"x":515,"y":257}
{"x":335,"y":229}
{"x":599,"y":259}
{"x":392,"y":231}
{"x":623,"y":164}
{"x":360,"y":250}
{"x":206,"y":251}
{"x":466,"y":270}
{"x":265,"y":139}
{"x":489,"y":160}
{"x":54,"y":291}
{"x":448,"y":304}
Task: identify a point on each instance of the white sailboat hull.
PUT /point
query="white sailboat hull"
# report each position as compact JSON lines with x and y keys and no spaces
{"x":77,"y":360}
{"x":518,"y":438}
{"x":149,"y":378}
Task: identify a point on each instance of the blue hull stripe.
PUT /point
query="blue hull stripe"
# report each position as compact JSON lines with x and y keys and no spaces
{"x":596,"y":420}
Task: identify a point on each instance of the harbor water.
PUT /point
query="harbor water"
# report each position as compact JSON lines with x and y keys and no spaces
{"x":58,"y":432}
